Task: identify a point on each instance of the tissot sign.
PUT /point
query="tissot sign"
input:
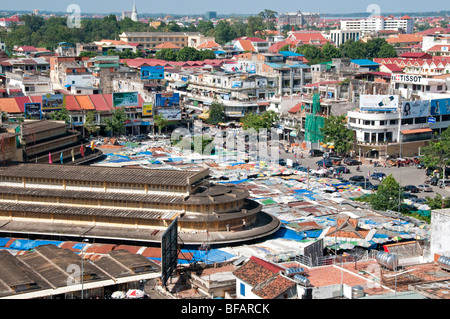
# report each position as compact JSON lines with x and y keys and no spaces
{"x":407,"y":78}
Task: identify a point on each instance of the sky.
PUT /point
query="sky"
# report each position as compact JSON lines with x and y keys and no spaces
{"x":229,"y":6}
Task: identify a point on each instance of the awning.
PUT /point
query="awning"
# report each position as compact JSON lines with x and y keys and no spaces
{"x":416,"y":131}
{"x":180,"y":84}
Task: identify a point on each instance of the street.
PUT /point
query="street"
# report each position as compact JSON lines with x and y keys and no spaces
{"x":409,"y":175}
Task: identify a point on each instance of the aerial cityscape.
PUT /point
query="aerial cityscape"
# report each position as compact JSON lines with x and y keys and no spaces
{"x":224,"y":152}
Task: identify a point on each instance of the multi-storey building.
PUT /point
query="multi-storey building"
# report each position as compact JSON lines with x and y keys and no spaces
{"x":150,"y":40}
{"x":378,"y":23}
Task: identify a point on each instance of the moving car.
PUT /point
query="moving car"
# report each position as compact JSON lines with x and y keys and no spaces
{"x":425,"y":188}
{"x":411,"y":189}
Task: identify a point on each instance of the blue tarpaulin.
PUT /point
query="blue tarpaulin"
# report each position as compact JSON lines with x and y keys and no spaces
{"x":4,"y":241}
{"x":25,"y":244}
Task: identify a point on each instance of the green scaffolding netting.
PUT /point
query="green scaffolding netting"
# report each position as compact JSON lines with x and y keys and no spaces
{"x":314,"y":123}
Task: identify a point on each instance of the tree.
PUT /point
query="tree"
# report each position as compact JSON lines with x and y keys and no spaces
{"x":224,"y":33}
{"x":335,"y":132}
{"x":90,"y":54}
{"x":216,"y":113}
{"x":188,"y":54}
{"x":387,"y":51}
{"x":254,"y":23}
{"x":207,"y":54}
{"x":166,"y":54}
{"x":437,"y":152}
{"x":90,"y":124}
{"x":329,"y":52}
{"x":160,"y":122}
{"x":387,"y":195}
{"x":115,"y":124}
{"x":311,"y":53}
{"x":259,"y":121}
{"x":61,"y":115}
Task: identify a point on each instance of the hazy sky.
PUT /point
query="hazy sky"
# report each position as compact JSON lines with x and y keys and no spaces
{"x":229,"y":6}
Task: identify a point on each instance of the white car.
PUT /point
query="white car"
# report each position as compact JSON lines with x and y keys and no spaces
{"x":425,"y":188}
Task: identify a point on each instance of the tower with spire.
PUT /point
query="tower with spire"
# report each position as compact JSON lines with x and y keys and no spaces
{"x":134,"y":14}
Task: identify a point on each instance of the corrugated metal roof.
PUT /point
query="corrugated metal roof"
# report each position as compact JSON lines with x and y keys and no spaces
{"x":84,"y":102}
{"x":9,"y":105}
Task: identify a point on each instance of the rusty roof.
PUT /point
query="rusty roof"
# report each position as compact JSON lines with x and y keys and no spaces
{"x":100,"y":174}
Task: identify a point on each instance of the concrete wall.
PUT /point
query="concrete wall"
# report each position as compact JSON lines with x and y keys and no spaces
{"x":440,"y":235}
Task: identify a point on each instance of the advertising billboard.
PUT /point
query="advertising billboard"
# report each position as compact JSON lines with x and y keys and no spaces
{"x":152,"y":72}
{"x":440,"y":107}
{"x":169,"y":251}
{"x":236,"y":84}
{"x":53,"y":102}
{"x":382,"y":103}
{"x":33,"y":110}
{"x":147,"y":110}
{"x":170,"y":114}
{"x":239,"y":67}
{"x":125,"y":99}
{"x":167,"y":99}
{"x":412,"y":109}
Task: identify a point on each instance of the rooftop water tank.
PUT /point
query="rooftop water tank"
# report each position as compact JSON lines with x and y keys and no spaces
{"x":302,"y":280}
{"x":357,"y":292}
{"x":444,"y":262}
{"x":387,"y":260}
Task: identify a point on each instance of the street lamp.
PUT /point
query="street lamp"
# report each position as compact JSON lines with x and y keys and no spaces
{"x":82,"y":267}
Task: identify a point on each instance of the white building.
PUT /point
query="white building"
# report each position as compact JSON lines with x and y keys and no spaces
{"x":400,"y":131}
{"x":379,"y":23}
{"x":339,"y":37}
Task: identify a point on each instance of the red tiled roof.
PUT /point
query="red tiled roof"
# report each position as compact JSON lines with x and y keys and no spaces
{"x":438,"y":47}
{"x":167,"y":45}
{"x":296,"y":108}
{"x":9,"y":105}
{"x":72,"y":103}
{"x":21,"y":100}
{"x":99,"y":102}
{"x":277,"y":46}
{"x":36,"y":99}
{"x":208,"y":45}
{"x":247,"y":45}
{"x":274,"y":287}
{"x":84,"y":102}
{"x":108,"y":99}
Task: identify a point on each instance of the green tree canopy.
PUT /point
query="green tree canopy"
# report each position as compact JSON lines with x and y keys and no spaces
{"x":216,"y":113}
{"x":115,"y":124}
{"x":90,"y":124}
{"x":166,"y":54}
{"x":188,"y":54}
{"x":259,"y":121}
{"x":335,"y":132}
{"x":387,"y":195}
{"x":437,"y":152}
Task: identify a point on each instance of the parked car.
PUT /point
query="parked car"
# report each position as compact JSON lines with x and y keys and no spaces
{"x":378,"y":176}
{"x":419,"y":200}
{"x":374,"y":187}
{"x":325,"y":162}
{"x":350,"y":161}
{"x":424,"y":188}
{"x":357,"y":179}
{"x":282,"y":162}
{"x":364,"y":185}
{"x":409,"y":196}
{"x":315,"y":153}
{"x":411,"y":189}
